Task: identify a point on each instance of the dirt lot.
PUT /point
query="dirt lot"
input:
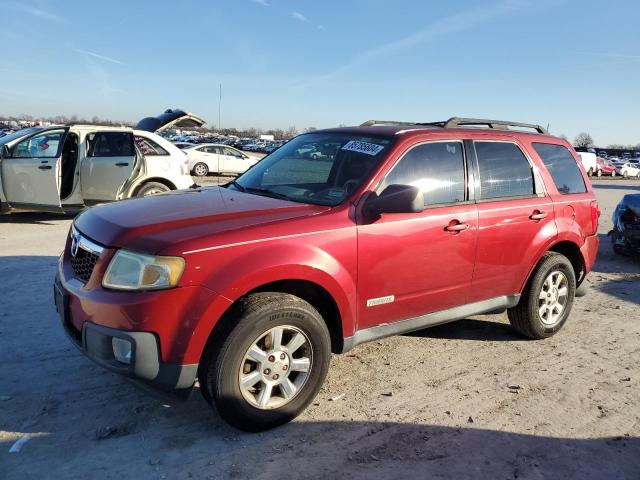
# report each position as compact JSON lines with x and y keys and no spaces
{"x":465,"y":400}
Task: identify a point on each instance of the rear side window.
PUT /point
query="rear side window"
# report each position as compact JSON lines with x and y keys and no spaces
{"x":504,"y":171}
{"x":111,"y":144}
{"x":562,"y":166}
{"x":149,"y":147}
{"x":435,"y":168}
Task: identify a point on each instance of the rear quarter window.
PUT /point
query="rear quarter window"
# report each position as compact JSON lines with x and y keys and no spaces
{"x":562,"y":167}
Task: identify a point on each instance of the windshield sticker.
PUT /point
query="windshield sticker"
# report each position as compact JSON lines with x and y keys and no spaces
{"x":363,"y":147}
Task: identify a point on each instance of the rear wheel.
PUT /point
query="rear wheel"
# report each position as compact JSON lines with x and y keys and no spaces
{"x":547,"y":299}
{"x":200,"y":169}
{"x":270,"y":365}
{"x":613,"y":173}
{"x":625,"y":174}
{"x":152,"y":188}
{"x":599,"y":173}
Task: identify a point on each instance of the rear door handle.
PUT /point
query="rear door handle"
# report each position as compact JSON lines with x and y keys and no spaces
{"x":456,"y":226}
{"x":122,"y":164}
{"x":45,"y":167}
{"x":538,"y":215}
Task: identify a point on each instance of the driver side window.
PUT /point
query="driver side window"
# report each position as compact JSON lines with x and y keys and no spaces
{"x":42,"y":145}
{"x":435,"y":168}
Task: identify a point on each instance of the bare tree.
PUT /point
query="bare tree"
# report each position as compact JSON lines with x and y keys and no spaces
{"x":583,"y":140}
{"x":291,"y":132}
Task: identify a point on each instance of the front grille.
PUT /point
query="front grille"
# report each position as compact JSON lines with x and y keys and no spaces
{"x":83,"y":264}
{"x":84,"y":255}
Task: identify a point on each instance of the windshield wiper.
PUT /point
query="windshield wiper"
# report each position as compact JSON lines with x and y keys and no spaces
{"x":265,"y":192}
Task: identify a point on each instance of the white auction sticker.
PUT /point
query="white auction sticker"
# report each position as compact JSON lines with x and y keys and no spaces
{"x":363,"y":147}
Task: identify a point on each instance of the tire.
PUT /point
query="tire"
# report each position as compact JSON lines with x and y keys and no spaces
{"x":613,"y":174}
{"x":200,"y":169}
{"x":590,"y":172}
{"x":152,"y":188}
{"x":599,"y":173}
{"x":228,"y":360}
{"x":526,"y":317}
{"x":625,"y":174}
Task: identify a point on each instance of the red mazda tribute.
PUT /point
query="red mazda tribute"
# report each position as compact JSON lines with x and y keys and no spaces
{"x":387,"y":228}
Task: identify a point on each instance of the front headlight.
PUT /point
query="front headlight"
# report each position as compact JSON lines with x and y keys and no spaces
{"x":136,"y":271}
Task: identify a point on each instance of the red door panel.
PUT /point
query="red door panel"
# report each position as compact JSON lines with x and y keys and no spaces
{"x":510,"y":236}
{"x":414,"y":259}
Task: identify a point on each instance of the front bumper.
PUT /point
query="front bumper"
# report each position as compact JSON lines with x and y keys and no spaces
{"x":146,"y":366}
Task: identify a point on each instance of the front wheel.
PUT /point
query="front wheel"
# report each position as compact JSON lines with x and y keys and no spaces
{"x":625,"y":174}
{"x":613,"y":173}
{"x":547,"y":299}
{"x":599,"y":173}
{"x":270,"y":365}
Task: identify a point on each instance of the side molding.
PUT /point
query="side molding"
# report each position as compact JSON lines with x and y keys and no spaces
{"x":429,"y":320}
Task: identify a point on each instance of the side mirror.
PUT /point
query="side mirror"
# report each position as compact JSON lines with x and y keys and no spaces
{"x":4,"y":152}
{"x":395,"y":199}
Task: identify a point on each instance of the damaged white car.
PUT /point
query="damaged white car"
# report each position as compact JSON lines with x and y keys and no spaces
{"x":66,"y":168}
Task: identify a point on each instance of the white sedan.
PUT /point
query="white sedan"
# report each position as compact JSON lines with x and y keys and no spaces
{"x":213,"y":158}
{"x":627,"y":169}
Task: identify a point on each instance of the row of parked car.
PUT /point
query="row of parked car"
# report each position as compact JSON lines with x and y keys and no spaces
{"x":246,"y":144}
{"x":595,"y":163}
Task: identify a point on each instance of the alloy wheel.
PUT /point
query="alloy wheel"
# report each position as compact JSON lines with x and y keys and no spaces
{"x":275,"y":367}
{"x":553,"y":297}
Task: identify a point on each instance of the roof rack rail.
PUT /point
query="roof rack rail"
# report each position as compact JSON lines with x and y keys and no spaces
{"x":457,"y":122}
{"x":373,"y":123}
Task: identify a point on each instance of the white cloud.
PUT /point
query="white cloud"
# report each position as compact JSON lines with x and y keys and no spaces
{"x":455,"y":23}
{"x":264,"y":3}
{"x":37,"y":12}
{"x":298,"y":16}
{"x":100,"y":57}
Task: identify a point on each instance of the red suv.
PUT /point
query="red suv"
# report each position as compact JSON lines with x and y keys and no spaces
{"x":248,"y":288}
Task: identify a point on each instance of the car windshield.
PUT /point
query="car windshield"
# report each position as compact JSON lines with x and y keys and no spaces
{"x":20,"y":133}
{"x":316,"y":168}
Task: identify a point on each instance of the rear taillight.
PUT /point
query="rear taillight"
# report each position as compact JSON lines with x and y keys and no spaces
{"x":595,"y":215}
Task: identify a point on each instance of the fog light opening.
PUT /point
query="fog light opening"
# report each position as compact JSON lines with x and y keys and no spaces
{"x":121,"y":350}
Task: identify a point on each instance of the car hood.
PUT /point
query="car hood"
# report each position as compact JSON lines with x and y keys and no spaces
{"x":170,"y":118}
{"x":158,"y":223}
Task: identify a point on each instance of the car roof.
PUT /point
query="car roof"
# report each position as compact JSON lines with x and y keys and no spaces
{"x":406,"y":131}
{"x":212,"y":145}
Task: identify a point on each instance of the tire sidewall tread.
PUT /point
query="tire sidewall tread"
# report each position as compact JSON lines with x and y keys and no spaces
{"x":253,"y":316}
{"x":525,"y":317}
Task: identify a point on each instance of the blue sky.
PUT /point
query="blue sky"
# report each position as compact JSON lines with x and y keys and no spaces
{"x":572,"y":64}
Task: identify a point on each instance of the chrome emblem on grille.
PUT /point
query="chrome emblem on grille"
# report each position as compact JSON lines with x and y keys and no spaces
{"x":75,"y":243}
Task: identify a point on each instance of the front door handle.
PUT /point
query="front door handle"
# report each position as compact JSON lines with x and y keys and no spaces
{"x":122,"y":164}
{"x":538,"y":215}
{"x":455,"y":226}
{"x":45,"y":167}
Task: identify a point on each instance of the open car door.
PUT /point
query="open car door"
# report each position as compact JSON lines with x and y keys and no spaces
{"x":172,"y":118}
{"x":31,"y":170}
{"x":109,"y":161}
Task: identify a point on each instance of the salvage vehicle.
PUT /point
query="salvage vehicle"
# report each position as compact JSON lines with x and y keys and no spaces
{"x":248,"y":288}
{"x":66,"y":168}
{"x":625,"y":235}
{"x":216,"y":158}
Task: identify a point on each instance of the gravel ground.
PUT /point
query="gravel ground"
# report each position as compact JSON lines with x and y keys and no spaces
{"x":464,"y":400}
